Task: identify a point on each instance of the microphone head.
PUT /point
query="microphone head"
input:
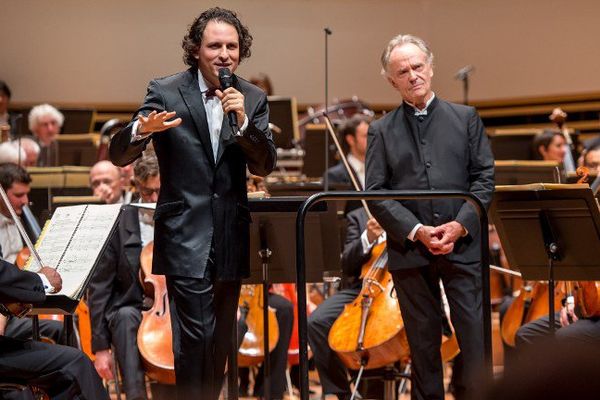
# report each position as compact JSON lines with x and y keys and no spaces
{"x":225,"y":78}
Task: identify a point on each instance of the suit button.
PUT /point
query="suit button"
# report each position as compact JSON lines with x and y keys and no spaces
{"x":436,"y":215}
{"x":428,"y":164}
{"x":215,"y":196}
{"x":423,"y":142}
{"x":420,"y":118}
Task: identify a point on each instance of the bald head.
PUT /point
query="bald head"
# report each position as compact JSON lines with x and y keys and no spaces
{"x":105,"y":180}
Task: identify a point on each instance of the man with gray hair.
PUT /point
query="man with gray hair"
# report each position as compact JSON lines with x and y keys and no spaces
{"x":45,"y":122}
{"x":430,"y":144}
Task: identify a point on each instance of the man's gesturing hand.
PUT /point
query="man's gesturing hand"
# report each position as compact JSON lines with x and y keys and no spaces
{"x":157,"y":122}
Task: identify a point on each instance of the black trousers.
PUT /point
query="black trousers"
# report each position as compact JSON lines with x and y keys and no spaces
{"x":203,"y":315}
{"x":585,"y":331}
{"x":284,"y":312}
{"x":62,"y":372}
{"x":332,"y":372}
{"x":419,"y":297}
{"x":123,"y":325}
{"x":22,"y":328}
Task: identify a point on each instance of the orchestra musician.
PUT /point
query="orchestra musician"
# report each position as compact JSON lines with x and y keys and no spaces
{"x":550,"y":145}
{"x":430,"y":144}
{"x":202,"y":218}
{"x":106,"y":182}
{"x":9,"y":122}
{"x":60,"y":371}
{"x":15,"y":181}
{"x":362,"y":234}
{"x":45,"y":123}
{"x":115,"y":295}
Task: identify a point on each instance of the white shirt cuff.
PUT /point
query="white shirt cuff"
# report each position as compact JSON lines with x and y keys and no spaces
{"x":135,"y":136}
{"x":48,"y":288}
{"x":243,"y":127}
{"x":366,"y":246}
{"x":411,"y":235}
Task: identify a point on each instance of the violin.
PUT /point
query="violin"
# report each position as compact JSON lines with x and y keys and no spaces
{"x":155,"y":338}
{"x":252,"y":349}
{"x":559,"y":117}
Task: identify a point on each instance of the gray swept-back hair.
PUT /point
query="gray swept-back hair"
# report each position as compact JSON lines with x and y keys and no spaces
{"x":400,"y":40}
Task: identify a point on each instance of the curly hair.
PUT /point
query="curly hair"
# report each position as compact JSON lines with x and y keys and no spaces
{"x":192,"y":40}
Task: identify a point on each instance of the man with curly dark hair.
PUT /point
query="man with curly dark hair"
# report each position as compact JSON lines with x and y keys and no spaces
{"x":201,"y":234}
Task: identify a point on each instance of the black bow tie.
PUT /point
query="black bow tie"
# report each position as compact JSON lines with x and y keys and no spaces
{"x":211,"y":92}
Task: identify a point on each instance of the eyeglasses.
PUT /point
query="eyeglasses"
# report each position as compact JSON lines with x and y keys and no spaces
{"x":148,"y":191}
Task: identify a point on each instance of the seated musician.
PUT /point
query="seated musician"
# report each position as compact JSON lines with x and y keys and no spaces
{"x":61,"y":372}
{"x":106,"y":182}
{"x":591,"y":158}
{"x":115,"y":293}
{"x":284,"y":313}
{"x":569,"y":323}
{"x":15,"y":181}
{"x":354,"y":132}
{"x":361,"y":236}
{"x":45,"y":123}
{"x":550,"y":145}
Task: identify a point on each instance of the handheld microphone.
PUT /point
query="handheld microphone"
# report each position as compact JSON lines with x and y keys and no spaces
{"x":226,"y":81}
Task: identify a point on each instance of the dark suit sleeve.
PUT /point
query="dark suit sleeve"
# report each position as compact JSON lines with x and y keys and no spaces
{"x":100,"y":291}
{"x":481,"y":173}
{"x":393,"y":217}
{"x":257,"y":142}
{"x":122,"y":151}
{"x":20,"y":286}
{"x":353,"y":256}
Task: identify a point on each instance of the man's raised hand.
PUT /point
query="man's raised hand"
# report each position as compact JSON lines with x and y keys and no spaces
{"x":157,"y":122}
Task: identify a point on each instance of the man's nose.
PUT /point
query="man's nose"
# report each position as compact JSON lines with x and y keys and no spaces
{"x":154,"y":197}
{"x":223,"y":54}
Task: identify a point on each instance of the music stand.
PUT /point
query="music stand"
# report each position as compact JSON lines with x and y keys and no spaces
{"x":521,"y":172}
{"x":272,"y":258}
{"x":540,"y":227}
{"x":283,"y":113}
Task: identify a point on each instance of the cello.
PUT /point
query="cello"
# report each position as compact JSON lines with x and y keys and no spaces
{"x":155,"y":338}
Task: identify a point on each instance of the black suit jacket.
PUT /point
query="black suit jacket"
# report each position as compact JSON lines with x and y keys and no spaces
{"x":202,"y":200}
{"x":353,"y":257}
{"x":20,"y":286}
{"x":115,"y":283}
{"x":445,"y":150}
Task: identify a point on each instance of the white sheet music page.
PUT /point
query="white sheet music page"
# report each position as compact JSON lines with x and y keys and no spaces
{"x":73,"y":240}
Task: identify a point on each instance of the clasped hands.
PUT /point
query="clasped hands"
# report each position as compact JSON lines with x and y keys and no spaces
{"x":231,"y":100}
{"x":440,"y":240}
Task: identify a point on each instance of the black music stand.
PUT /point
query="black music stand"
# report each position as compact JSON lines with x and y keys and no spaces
{"x":273,"y":257}
{"x":540,"y":227}
{"x":521,"y":172}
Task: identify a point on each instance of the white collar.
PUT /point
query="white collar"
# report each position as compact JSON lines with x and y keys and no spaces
{"x":424,"y":110}
{"x":202,"y":83}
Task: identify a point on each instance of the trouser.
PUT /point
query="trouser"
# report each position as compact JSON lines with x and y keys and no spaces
{"x":22,"y":328}
{"x":586,"y":331}
{"x":203,"y":315}
{"x":284,"y":312}
{"x":123,"y":325}
{"x":62,"y":372}
{"x":419,"y":297}
{"x":332,"y":372}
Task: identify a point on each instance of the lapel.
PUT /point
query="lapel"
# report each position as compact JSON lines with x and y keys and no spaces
{"x":133,"y":241}
{"x":227,"y":136}
{"x":190,"y":91}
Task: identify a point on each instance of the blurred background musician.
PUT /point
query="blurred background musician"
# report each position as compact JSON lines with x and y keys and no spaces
{"x":106,"y":182}
{"x":362,"y":235}
{"x":115,"y":295}
{"x":9,"y":122}
{"x":550,"y":145}
{"x":45,"y":123}
{"x":61,"y":372}
{"x":354,"y":131}
{"x":16,"y":182}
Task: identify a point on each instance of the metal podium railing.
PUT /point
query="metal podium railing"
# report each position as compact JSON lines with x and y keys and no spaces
{"x":388,"y":195}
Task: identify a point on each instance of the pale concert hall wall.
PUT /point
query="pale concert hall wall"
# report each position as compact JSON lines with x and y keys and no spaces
{"x":74,"y":51}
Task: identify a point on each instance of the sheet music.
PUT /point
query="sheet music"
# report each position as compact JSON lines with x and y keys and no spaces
{"x":73,"y":240}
